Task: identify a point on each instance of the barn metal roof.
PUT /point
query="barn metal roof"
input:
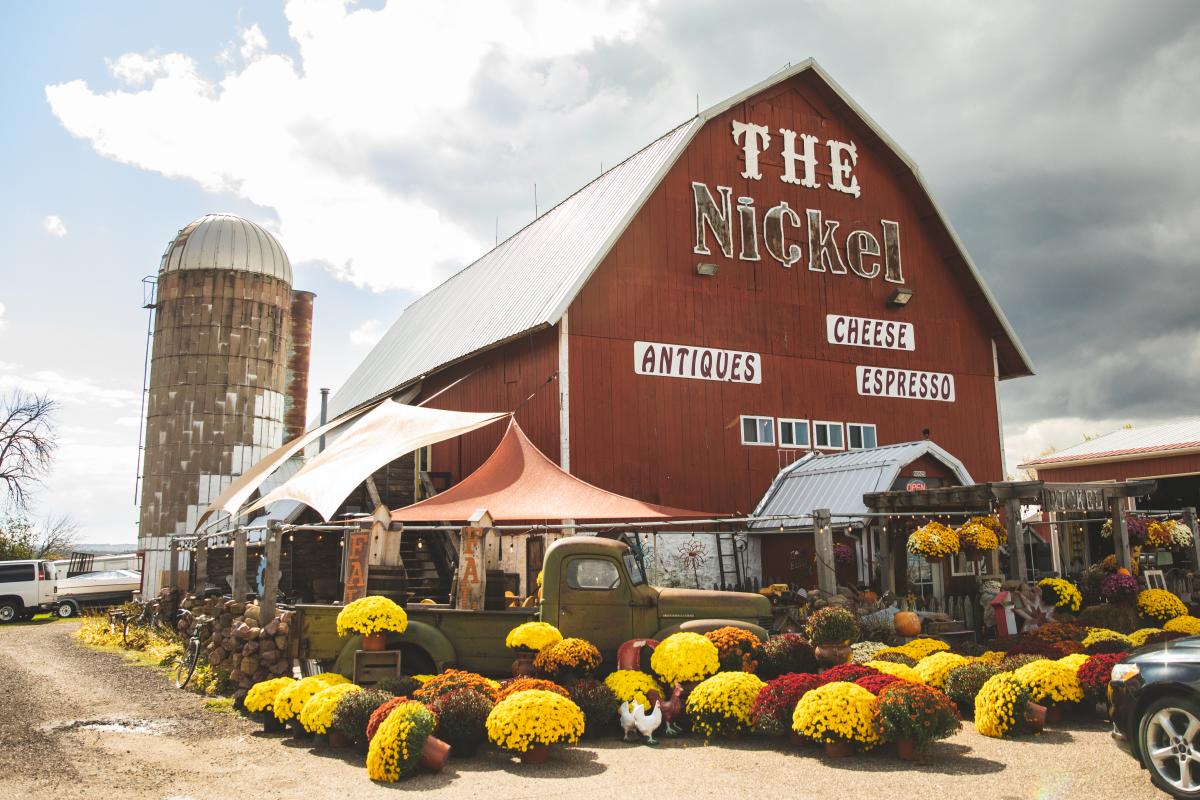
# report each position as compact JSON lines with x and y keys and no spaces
{"x":226,"y":241}
{"x":529,"y":280}
{"x":838,"y":481}
{"x":1128,"y":443}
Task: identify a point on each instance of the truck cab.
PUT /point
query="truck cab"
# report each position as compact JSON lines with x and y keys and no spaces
{"x":26,"y":587}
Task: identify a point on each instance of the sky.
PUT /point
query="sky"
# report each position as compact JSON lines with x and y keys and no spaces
{"x":1061,"y":139}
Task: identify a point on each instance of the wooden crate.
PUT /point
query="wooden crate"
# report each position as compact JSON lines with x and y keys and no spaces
{"x":373,"y":666}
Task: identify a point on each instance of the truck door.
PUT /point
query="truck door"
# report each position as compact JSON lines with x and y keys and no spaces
{"x":595,"y":602}
{"x":46,"y":583}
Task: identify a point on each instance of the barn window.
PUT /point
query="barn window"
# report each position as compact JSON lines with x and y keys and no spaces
{"x":828,"y":435}
{"x":758,"y":430}
{"x":793,"y":433}
{"x":860,"y":436}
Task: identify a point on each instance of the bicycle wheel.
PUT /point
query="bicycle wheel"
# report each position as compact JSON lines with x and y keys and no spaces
{"x":187,"y":664}
{"x":125,"y":632}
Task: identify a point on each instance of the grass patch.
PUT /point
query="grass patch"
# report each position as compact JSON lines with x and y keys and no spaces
{"x":145,"y":647}
{"x":221,"y":705}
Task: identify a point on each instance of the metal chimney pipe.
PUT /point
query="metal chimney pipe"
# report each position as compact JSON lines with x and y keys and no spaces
{"x":324,"y":413}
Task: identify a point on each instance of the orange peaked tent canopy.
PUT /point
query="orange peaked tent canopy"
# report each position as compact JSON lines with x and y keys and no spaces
{"x":518,"y":483}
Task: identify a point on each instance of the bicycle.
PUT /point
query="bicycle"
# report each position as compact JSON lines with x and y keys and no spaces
{"x":147,"y":615}
{"x":185,"y":664}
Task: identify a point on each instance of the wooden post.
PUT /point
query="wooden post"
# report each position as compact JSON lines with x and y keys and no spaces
{"x":271,"y":572}
{"x":239,"y":565}
{"x":1116,"y":507}
{"x":201,"y":564}
{"x":887,"y":569}
{"x":472,"y":563}
{"x":174,"y":580}
{"x":1189,"y":519}
{"x":1017,"y":568}
{"x":823,"y":533}
{"x":357,"y":544}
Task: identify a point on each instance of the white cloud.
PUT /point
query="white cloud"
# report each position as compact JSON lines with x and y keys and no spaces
{"x":307,"y":139}
{"x":368,"y":333}
{"x":1025,"y":442}
{"x":54,"y":226}
{"x":66,"y":389}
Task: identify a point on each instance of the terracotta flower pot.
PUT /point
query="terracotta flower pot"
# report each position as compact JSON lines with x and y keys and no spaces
{"x":1054,"y":715}
{"x":434,"y":754}
{"x":935,"y":559}
{"x":337,"y":739}
{"x":839,"y":749}
{"x":798,"y":740}
{"x":523,"y":666}
{"x":298,"y":731}
{"x":375,"y":641}
{"x":537,"y":754}
{"x":906,"y":749}
{"x":1035,"y":715}
{"x":271,"y":724}
{"x":834,"y":654}
{"x":321,"y":740}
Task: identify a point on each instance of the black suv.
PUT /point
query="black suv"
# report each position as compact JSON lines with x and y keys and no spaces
{"x":1154,"y":703}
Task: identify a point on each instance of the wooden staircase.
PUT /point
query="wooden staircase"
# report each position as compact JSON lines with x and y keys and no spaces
{"x":426,"y":567}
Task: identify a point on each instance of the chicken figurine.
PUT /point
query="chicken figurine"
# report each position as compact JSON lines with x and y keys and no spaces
{"x":671,"y":709}
{"x":635,"y":719}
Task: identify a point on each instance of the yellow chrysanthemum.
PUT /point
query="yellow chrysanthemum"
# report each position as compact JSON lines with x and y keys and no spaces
{"x":524,"y":719}
{"x":317,"y":714}
{"x":261,"y":696}
{"x":1160,"y":604}
{"x":290,"y":699}
{"x":374,"y":614}
{"x":1050,"y":682}
{"x":837,"y":712}
{"x":685,"y":657}
{"x":534,"y":636}
{"x":902,"y":671}
{"x":1185,"y":624}
{"x":934,"y":668}
{"x":721,"y":704}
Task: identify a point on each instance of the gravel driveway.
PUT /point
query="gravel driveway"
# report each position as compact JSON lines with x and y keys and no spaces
{"x":63,"y":707}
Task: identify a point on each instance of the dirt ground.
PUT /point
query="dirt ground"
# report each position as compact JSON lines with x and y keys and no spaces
{"x":56,"y":698}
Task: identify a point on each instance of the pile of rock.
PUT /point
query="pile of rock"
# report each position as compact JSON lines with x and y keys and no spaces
{"x":238,"y":642}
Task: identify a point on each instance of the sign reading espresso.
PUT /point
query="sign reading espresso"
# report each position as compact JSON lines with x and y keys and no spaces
{"x":866,"y":332}
{"x":699,"y":363}
{"x":910,"y":384}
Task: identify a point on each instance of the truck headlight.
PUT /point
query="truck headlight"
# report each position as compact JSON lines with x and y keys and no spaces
{"x":1124,"y":672}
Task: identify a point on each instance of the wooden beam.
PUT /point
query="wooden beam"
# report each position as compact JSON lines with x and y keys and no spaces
{"x":240,"y":588}
{"x":1116,"y":507}
{"x":1189,"y":519}
{"x":174,"y":579}
{"x":823,"y":532}
{"x":271,"y":572}
{"x":1017,"y":567}
{"x":201,"y":565}
{"x":887,"y":567}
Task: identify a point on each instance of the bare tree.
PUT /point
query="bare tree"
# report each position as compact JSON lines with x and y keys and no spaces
{"x":56,"y":536}
{"x":26,"y":443}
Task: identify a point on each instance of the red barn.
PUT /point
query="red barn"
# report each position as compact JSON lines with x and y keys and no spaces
{"x":768,"y":278}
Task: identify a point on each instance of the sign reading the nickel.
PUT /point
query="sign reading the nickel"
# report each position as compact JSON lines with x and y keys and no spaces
{"x":699,"y":363}
{"x":910,"y":384}
{"x":866,"y":332}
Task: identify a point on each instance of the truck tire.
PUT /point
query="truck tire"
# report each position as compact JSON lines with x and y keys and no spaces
{"x":9,"y":610}
{"x":65,"y":608}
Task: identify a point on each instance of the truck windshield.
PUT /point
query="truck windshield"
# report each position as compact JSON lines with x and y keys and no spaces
{"x":636,"y":576}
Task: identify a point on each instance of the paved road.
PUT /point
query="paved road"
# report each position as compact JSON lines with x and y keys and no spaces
{"x":51,"y":689}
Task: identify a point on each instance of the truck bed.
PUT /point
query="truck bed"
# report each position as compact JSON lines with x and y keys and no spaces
{"x":477,"y":636}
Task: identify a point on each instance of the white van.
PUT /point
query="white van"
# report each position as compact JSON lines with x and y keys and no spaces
{"x":28,"y":587}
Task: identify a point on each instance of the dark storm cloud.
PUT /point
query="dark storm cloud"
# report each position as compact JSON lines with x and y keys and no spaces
{"x":1061,"y":139}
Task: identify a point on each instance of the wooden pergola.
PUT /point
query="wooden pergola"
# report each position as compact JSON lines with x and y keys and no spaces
{"x":1010,"y":495}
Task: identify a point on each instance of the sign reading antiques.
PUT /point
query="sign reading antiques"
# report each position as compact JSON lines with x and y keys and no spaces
{"x":910,"y":384}
{"x":862,"y":252}
{"x":867,"y":332}
{"x":700,"y":363}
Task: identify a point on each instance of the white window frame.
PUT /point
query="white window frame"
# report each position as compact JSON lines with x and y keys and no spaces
{"x":795,"y":423}
{"x":832,"y":424}
{"x":742,"y":430}
{"x":862,"y":426}
{"x":955,"y":560}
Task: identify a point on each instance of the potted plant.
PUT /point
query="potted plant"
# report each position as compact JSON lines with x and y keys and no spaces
{"x":260,"y":700}
{"x":529,"y":723}
{"x":1159,"y":605}
{"x":832,"y":629}
{"x":353,"y":713}
{"x":721,"y":705}
{"x":527,"y":640}
{"x":373,"y":617}
{"x":1051,"y":684}
{"x":317,"y":714}
{"x":462,"y":719}
{"x":737,"y":648}
{"x":771,"y":714}
{"x":1003,"y":708}
{"x":525,"y":684}
{"x":839,"y":715}
{"x":934,"y":542}
{"x":404,"y":742}
{"x":914,"y":716}
{"x":787,"y":653}
{"x":964,"y":682}
{"x":630,"y":685}
{"x":1060,"y":593}
{"x":934,"y":668}
{"x":452,"y":679}
{"x":975,"y":538}
{"x":599,"y":705}
{"x":567,"y":660}
{"x":686,"y":658}
{"x":290,"y":700}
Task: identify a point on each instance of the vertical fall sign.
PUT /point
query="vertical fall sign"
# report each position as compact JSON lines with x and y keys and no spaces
{"x":471,"y":570}
{"x":358,"y":552}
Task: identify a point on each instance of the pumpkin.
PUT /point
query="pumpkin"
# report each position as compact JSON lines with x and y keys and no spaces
{"x":907,"y":623}
{"x":1122,"y":571}
{"x":869,"y":597}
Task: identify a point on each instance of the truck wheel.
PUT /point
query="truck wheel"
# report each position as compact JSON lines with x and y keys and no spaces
{"x":64,"y":609}
{"x":8,"y":611}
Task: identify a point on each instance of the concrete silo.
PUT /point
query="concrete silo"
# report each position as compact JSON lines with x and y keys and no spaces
{"x":229,"y":363}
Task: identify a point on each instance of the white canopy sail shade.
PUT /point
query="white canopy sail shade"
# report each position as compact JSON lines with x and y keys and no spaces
{"x":231,"y":499}
{"x":381,"y":436}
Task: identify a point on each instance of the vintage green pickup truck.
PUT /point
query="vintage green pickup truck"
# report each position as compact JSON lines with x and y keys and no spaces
{"x":592,"y":588}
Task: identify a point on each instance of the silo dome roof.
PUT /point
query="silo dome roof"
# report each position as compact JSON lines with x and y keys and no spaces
{"x":226,"y":241}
